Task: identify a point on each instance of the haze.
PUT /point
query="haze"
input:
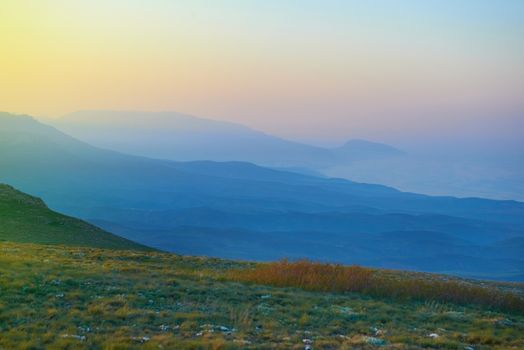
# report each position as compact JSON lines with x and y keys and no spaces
{"x":311,"y":70}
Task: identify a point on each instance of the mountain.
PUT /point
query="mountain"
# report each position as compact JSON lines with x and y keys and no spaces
{"x":440,"y":169}
{"x":181,"y":137}
{"x":463,"y":176}
{"x":355,"y":150}
{"x":238,"y":209}
{"x":26,"y":219}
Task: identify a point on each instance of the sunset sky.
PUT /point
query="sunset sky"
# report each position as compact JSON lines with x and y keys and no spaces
{"x":300,"y":69}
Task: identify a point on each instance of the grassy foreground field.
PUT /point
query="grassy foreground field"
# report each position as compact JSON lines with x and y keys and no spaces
{"x":58,"y":297}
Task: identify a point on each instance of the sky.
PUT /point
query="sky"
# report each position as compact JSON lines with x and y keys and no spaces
{"x":316,"y":70}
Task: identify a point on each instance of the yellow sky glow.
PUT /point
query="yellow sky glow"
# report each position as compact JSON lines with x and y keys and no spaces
{"x":290,"y":69}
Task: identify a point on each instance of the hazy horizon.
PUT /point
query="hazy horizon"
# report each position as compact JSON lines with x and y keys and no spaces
{"x":441,"y":81}
{"x":453,"y":165}
{"x":488,"y":139}
{"x":401,"y":72}
{"x":261,"y":174}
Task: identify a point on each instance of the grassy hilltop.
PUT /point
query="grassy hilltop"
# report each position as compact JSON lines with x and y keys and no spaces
{"x":27,"y":219}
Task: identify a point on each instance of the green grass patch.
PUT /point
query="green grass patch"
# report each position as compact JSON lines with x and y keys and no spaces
{"x":26,"y":219}
{"x":63,"y":297}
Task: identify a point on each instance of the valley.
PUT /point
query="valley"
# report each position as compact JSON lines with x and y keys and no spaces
{"x":239,"y":210}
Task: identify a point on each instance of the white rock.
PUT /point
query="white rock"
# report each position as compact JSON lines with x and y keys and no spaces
{"x":74,"y":336}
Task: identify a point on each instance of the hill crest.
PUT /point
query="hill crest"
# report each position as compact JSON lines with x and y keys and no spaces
{"x":27,"y":219}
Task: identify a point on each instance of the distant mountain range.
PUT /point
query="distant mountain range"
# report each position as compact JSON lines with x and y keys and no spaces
{"x":180,"y":137}
{"x":26,"y":219}
{"x":240,"y":210}
{"x":175,"y":136}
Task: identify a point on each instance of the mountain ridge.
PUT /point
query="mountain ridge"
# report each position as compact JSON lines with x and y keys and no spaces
{"x":183,"y":137}
{"x":436,"y":169}
{"x":160,"y":203}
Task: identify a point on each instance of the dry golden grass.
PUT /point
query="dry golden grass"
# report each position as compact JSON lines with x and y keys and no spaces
{"x":57,"y":297}
{"x":308,"y":275}
{"x":338,"y":278}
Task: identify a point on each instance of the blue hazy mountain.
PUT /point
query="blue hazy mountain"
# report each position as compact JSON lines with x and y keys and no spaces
{"x":435,"y":167}
{"x":240,"y":210}
{"x":175,"y":136}
{"x":354,"y":150}
{"x":500,"y":177}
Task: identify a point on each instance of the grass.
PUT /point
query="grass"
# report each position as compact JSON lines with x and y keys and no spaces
{"x":63,"y":297}
{"x":378,"y":283}
{"x":27,"y":219}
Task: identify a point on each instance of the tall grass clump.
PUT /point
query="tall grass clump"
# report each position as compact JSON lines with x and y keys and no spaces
{"x":308,"y":275}
{"x":316,"y":276}
{"x":452,"y":291}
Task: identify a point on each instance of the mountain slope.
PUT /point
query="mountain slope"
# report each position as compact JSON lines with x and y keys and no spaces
{"x":238,"y":207}
{"x":67,"y":167}
{"x":439,"y":170}
{"x":181,"y":137}
{"x":26,"y":219}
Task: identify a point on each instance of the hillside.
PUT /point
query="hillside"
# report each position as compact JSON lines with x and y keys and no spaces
{"x":182,"y":137}
{"x":77,"y":298}
{"x":26,"y":219}
{"x":240,"y":210}
{"x":441,"y":169}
